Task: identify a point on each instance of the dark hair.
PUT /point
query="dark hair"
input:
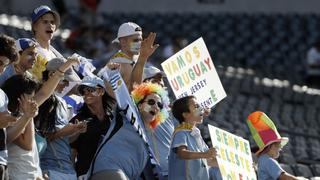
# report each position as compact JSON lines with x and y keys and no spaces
{"x":17,"y":85}
{"x":107,"y":102}
{"x":45,"y":75}
{"x":180,"y":106}
{"x":47,"y":115}
{"x":8,"y":48}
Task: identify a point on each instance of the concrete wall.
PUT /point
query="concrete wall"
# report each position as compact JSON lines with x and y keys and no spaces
{"x":250,"y":6}
{"x":233,"y":6}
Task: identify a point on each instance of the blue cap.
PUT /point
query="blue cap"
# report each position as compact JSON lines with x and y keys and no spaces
{"x":24,"y":43}
{"x":42,"y":10}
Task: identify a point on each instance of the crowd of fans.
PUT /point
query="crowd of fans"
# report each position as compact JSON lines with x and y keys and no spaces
{"x":61,"y":119}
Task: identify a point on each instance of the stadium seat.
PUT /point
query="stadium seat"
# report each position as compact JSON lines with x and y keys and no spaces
{"x":315,"y":168}
{"x":287,"y":168}
{"x":302,"y":170}
{"x":300,"y":153}
{"x":287,"y":158}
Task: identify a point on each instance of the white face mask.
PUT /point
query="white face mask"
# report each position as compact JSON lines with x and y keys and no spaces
{"x":135,"y":47}
{"x":147,"y":108}
{"x":199,"y":111}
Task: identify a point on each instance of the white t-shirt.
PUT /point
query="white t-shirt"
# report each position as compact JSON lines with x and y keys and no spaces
{"x":23,"y":164}
{"x":3,"y":101}
{"x":44,"y":55}
{"x":3,"y":148}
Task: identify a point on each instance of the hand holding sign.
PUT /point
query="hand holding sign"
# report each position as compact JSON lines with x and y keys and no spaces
{"x":211,"y":153}
{"x":234,"y":159}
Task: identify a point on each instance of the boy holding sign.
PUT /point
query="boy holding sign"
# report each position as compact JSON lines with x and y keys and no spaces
{"x":188,"y":151}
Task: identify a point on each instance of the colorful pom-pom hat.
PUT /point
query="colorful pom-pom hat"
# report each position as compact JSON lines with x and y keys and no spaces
{"x":264,"y":131}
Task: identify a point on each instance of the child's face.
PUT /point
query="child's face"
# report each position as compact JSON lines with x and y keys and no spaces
{"x":275,"y":150}
{"x":195,"y":115}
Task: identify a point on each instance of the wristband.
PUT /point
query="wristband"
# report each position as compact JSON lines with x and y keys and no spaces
{"x":60,"y":71}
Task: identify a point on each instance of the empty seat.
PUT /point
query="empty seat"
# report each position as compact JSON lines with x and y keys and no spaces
{"x":287,"y":158}
{"x":300,"y":153}
{"x":315,"y":168}
{"x":302,"y":170}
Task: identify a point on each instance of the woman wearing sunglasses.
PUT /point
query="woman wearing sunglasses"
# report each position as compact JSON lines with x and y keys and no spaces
{"x":97,"y":111}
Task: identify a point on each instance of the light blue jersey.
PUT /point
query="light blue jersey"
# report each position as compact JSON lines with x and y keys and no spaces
{"x":8,"y":72}
{"x":160,"y":140}
{"x":124,"y":150}
{"x":187,"y":169}
{"x":268,"y":168}
{"x":57,"y":155}
{"x":214,"y":173}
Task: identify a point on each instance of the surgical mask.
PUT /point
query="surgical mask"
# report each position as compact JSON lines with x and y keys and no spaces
{"x":135,"y":47}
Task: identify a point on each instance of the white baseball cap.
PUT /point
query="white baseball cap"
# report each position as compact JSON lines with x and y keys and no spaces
{"x":127,"y":29}
{"x":152,"y":71}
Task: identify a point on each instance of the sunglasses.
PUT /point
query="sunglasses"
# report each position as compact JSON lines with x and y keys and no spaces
{"x":152,"y":102}
{"x":88,"y":89}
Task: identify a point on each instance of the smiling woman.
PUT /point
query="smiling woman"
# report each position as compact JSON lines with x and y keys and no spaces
{"x":97,"y":110}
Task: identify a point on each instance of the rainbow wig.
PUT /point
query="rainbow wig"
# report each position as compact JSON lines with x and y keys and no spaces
{"x":142,"y":90}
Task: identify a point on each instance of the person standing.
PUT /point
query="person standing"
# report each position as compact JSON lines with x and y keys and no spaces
{"x":98,"y":112}
{"x":132,"y":49}
{"x":189,"y":156}
{"x":8,"y":55}
{"x":44,"y":22}
{"x":27,"y":51}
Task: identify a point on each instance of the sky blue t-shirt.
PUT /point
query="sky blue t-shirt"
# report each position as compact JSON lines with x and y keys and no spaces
{"x":187,"y":169}
{"x":8,"y":72}
{"x":160,"y":140}
{"x":125,"y":151}
{"x":214,"y":173}
{"x":268,"y":168}
{"x":57,"y":155}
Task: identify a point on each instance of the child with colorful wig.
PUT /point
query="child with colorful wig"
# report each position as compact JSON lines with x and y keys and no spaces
{"x":189,"y":153}
{"x":270,"y":143}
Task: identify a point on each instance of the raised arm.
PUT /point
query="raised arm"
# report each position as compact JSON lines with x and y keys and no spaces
{"x":147,"y":49}
{"x":29,"y":108}
{"x":49,"y":86}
